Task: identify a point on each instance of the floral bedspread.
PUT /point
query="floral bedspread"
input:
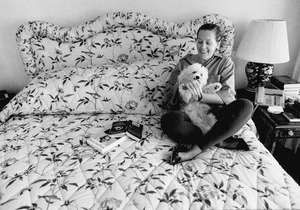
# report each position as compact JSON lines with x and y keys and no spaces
{"x":46,"y":163}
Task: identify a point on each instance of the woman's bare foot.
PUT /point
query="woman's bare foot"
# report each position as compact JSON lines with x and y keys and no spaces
{"x":178,"y":157}
{"x":190,"y":154}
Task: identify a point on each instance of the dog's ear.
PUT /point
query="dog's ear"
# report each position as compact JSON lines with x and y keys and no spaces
{"x":184,"y":93}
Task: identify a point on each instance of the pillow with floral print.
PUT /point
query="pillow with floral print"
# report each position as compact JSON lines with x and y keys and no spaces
{"x":135,"y":88}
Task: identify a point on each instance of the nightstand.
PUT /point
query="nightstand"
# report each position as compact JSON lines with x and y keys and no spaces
{"x":5,"y":98}
{"x":243,"y":93}
{"x":270,"y":132}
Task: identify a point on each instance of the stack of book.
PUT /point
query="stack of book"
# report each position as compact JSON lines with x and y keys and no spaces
{"x":106,"y":139}
{"x":290,"y":87}
{"x":129,"y":128}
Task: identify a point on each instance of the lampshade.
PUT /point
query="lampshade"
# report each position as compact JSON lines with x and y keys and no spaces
{"x":265,"y":41}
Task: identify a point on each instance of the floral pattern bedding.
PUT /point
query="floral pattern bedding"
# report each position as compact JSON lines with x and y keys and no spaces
{"x":113,"y":38}
{"x":45,"y":162}
{"x":133,"y":88}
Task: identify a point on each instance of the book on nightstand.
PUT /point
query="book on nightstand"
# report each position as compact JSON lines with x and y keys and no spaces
{"x":284,"y":82}
{"x":291,"y":113}
{"x":289,"y":86}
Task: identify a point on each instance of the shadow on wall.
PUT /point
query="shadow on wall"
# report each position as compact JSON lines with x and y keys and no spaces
{"x":240,"y":76}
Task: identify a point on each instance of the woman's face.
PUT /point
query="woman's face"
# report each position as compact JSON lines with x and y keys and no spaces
{"x":206,"y":44}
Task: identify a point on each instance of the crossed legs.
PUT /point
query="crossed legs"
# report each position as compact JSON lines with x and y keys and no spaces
{"x":180,"y":129}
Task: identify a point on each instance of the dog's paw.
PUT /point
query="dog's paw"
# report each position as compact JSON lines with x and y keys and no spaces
{"x":212,"y":87}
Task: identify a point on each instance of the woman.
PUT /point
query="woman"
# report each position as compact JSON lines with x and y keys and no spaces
{"x":231,"y":114}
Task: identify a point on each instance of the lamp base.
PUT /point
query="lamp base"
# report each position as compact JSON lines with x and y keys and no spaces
{"x":258,"y":74}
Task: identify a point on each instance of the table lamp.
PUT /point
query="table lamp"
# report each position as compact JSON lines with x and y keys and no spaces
{"x":265,"y":43}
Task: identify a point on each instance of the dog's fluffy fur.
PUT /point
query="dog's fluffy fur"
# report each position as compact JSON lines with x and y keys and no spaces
{"x":198,"y":112}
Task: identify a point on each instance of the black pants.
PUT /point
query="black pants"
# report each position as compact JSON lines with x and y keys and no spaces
{"x":231,"y":118}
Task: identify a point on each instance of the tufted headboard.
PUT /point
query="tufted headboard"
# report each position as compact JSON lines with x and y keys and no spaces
{"x":112,"y":38}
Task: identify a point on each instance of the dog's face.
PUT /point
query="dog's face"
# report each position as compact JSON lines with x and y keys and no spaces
{"x":193,"y":72}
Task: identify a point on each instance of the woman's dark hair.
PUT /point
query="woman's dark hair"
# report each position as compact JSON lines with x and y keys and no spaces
{"x":211,"y":27}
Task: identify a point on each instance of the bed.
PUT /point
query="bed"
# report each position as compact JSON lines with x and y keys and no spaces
{"x":112,"y":68}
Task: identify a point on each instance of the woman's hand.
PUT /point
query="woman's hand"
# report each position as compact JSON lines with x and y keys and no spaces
{"x":195,"y":88}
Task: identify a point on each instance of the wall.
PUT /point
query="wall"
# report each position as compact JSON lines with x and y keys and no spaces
{"x":68,"y":13}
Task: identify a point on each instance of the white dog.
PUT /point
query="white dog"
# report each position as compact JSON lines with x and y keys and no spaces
{"x":198,"y":112}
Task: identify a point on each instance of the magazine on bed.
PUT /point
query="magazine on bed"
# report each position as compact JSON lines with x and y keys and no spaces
{"x":104,"y":142}
{"x":134,"y":130}
{"x":118,"y":128}
{"x":106,"y":139}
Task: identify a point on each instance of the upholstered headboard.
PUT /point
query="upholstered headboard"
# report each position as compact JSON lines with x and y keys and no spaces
{"x":112,"y":38}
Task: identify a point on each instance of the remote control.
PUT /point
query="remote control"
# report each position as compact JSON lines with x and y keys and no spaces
{"x":280,"y":119}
